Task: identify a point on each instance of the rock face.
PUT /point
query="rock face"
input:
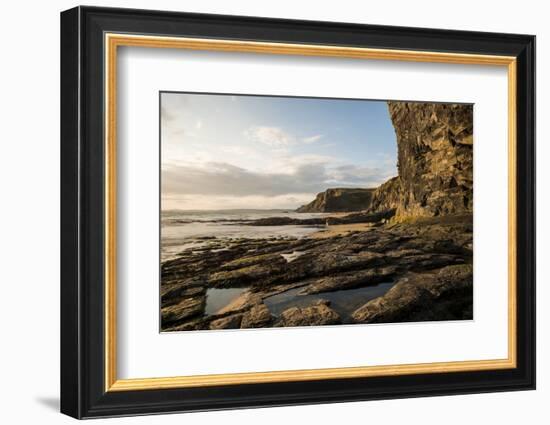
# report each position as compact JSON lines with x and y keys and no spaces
{"x":435,"y":166}
{"x":387,"y":197}
{"x":443,"y":295}
{"x":339,"y":200}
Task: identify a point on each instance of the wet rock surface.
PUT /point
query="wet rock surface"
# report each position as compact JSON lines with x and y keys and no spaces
{"x":428,"y":258}
{"x":445,"y":294}
{"x":352,"y":218}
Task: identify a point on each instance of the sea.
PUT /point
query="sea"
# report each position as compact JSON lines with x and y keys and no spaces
{"x":181,"y":230}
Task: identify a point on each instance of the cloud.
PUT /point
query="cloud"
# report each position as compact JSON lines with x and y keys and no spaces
{"x":270,"y":136}
{"x":350,"y":174}
{"x":276,"y":137}
{"x":223,"y":179}
{"x":200,"y":202}
{"x":166,"y":114}
{"x":312,"y":139}
{"x":218,"y":178}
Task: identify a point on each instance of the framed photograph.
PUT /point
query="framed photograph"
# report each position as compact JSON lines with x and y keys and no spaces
{"x":261,"y":212}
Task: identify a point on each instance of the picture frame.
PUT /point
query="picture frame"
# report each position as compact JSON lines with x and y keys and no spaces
{"x":90,"y":40}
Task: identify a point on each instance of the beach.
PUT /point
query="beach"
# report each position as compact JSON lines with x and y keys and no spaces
{"x":241,"y":269}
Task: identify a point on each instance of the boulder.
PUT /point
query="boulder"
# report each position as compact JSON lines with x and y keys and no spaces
{"x":258,"y":316}
{"x":229,"y":322}
{"x":317,"y":314}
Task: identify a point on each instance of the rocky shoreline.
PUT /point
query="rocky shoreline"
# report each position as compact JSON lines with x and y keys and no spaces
{"x":411,"y":237}
{"x":428,"y":259}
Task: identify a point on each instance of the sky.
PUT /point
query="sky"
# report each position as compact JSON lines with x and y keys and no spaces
{"x":264,"y":152}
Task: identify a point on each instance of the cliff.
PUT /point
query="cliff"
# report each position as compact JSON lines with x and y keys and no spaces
{"x":339,"y":200}
{"x":435,"y":161}
{"x":435,"y":166}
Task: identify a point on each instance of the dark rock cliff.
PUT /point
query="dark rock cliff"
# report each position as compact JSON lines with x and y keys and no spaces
{"x":435,"y":161}
{"x":340,"y":200}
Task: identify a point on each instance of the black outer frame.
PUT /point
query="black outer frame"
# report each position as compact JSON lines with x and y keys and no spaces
{"x":82,"y":212}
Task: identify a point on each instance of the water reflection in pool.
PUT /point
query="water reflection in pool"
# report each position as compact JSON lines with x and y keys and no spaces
{"x":217,"y":298}
{"x":344,"y":302}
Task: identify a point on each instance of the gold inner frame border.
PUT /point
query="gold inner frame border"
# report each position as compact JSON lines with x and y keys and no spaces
{"x":113,"y":40}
